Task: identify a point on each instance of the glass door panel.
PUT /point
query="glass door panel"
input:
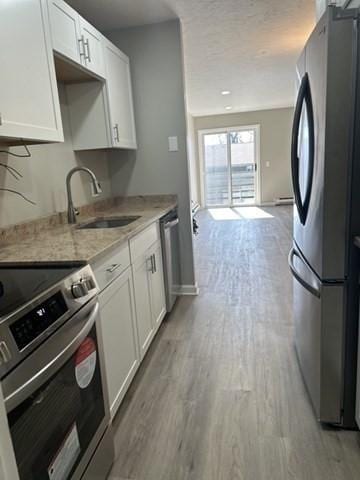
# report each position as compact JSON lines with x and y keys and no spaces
{"x":243,"y":167}
{"x":216,"y":169}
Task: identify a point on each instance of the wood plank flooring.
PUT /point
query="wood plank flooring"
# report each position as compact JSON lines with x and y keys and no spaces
{"x":220,"y":395}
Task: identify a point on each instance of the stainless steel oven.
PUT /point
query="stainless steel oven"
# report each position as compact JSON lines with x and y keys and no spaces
{"x":55,"y":397}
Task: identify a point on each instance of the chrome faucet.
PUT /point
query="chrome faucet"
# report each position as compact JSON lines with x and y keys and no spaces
{"x":72,"y":212}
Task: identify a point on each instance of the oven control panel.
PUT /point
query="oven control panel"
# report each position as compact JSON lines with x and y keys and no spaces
{"x":27,"y":328}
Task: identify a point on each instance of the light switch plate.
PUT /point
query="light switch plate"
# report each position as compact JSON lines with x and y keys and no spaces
{"x":173,"y":144}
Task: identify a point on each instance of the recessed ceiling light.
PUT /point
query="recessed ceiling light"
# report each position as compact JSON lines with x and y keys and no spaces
{"x":228,"y":107}
{"x":225,"y":92}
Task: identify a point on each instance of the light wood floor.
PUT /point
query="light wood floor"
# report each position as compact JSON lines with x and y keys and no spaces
{"x":220,"y":396}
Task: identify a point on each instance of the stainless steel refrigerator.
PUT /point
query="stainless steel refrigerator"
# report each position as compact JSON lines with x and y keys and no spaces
{"x":325,"y":158}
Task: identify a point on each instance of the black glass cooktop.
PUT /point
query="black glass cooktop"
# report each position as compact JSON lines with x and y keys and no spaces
{"x":19,"y":286}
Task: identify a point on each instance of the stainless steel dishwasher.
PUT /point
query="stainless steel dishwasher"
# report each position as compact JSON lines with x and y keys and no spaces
{"x":169,"y":226}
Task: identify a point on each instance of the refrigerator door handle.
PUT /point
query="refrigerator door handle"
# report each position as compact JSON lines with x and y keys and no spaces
{"x":314,"y":290}
{"x":304,"y":95}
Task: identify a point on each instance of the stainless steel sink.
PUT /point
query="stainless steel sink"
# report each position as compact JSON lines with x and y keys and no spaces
{"x":108,"y":222}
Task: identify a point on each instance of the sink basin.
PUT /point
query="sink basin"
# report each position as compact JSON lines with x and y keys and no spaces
{"x":110,"y":222}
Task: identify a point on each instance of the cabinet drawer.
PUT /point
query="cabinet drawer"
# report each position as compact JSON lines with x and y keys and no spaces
{"x":144,"y":240}
{"x":111,"y":265}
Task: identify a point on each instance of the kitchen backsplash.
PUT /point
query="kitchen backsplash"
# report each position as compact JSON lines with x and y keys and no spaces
{"x":44,"y":177}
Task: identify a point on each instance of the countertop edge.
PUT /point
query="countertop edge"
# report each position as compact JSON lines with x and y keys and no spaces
{"x":117,"y":243}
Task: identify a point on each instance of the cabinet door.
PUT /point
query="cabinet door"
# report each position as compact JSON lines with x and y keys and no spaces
{"x":118,"y":326}
{"x":143,"y":303}
{"x":120,"y":99}
{"x":93,"y":48}
{"x":65,"y":30}
{"x":29,"y":99}
{"x":158,"y":305}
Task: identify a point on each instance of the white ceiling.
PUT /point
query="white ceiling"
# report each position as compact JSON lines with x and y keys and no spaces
{"x":249,"y":47}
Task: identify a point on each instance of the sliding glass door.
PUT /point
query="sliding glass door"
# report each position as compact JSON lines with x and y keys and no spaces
{"x":230,"y":167}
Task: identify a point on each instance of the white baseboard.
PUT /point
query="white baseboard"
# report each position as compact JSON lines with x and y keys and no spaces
{"x":267,"y":204}
{"x":188,"y":289}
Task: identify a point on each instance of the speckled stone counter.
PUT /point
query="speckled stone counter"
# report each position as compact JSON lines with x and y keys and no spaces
{"x":51,"y":239}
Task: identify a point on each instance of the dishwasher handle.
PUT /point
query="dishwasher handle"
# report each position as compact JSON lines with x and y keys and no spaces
{"x":171,"y":223}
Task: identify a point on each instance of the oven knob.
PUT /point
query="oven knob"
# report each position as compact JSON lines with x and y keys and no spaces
{"x":79,"y":289}
{"x":5,"y":355}
{"x":82,"y":287}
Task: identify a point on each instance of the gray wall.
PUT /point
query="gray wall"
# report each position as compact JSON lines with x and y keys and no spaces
{"x":192,"y":156}
{"x":44,"y":177}
{"x":157,"y":76}
{"x":275,"y":138}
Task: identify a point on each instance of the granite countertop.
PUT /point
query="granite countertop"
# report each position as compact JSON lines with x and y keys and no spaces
{"x":51,"y":239}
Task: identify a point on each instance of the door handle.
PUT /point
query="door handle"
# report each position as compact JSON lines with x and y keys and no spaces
{"x":155,"y":269}
{"x":303,"y":96}
{"x":310,"y":288}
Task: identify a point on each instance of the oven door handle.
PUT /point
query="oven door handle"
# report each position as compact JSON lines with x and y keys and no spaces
{"x":16,"y":390}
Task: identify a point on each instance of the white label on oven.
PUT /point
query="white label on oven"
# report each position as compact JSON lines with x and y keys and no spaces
{"x":85,"y":362}
{"x":65,"y":459}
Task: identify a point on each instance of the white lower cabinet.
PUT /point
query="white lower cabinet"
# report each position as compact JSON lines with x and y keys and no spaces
{"x":158,"y":306}
{"x":132,"y":307}
{"x":143,"y":302}
{"x":149,"y":294}
{"x":118,"y":325}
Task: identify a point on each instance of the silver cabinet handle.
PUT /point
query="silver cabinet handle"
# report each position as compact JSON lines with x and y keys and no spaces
{"x":113,"y":267}
{"x":116,"y":130}
{"x":87,"y":50}
{"x":155,"y":269}
{"x":82,"y":46}
{"x":151,"y":267}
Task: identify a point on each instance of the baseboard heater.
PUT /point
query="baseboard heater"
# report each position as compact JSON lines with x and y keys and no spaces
{"x":284,"y":201}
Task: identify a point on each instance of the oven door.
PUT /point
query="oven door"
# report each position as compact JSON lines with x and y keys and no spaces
{"x":55,"y":402}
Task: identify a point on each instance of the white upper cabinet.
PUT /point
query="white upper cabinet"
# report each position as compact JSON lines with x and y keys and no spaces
{"x":102,"y":114}
{"x":74,"y":38}
{"x":65,"y":30}
{"x":92,"y":48}
{"x":120,"y":98}
{"x":29,"y":100}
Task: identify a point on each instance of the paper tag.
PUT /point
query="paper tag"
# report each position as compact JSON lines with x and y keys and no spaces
{"x":85,"y":362}
{"x":65,"y":459}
